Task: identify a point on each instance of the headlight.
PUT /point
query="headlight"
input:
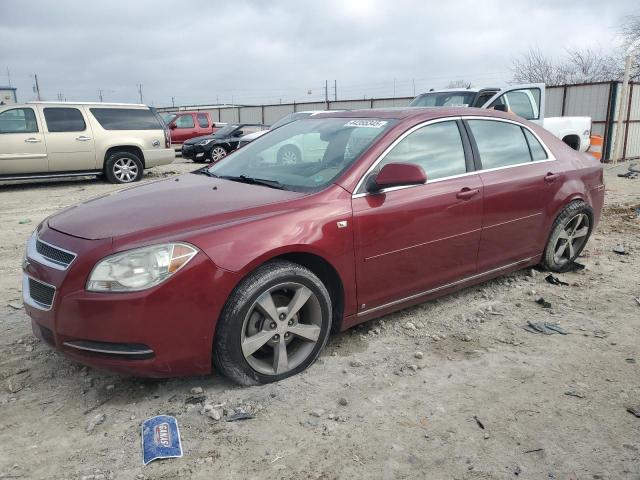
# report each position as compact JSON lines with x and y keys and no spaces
{"x":205,"y":142}
{"x":140,"y":268}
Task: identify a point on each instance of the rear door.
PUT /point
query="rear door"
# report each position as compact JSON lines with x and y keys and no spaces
{"x":70,"y":143}
{"x":202,"y":124}
{"x":526,"y":101}
{"x":520,"y":178}
{"x":410,"y":240}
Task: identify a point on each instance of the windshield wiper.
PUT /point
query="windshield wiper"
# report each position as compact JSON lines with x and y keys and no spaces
{"x":254,"y":181}
{"x":205,"y":171}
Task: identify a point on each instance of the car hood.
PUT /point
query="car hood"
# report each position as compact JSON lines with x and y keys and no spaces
{"x":183,"y":203}
{"x":193,"y":140}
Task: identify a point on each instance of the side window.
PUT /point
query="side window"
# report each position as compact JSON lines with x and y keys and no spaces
{"x":499,"y":143}
{"x":185,"y":121}
{"x":524,"y":102}
{"x":203,"y":121}
{"x":482,"y":98}
{"x":64,"y":120}
{"x":437,"y":148}
{"x":247,"y":129}
{"x":18,"y":120}
{"x":537,"y":150}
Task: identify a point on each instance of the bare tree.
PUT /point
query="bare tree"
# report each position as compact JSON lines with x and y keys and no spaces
{"x":630,"y":31}
{"x":575,"y":66}
{"x":458,"y":84}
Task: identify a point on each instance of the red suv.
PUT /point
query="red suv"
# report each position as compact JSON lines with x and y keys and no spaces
{"x":186,"y":125}
{"x":247,"y":265}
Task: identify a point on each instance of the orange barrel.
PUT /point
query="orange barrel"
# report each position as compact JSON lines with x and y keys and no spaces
{"x":595,"y":148}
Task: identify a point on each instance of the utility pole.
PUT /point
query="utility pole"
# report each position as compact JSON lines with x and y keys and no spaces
{"x":414,"y":86}
{"x":335,"y":90}
{"x":8,"y":76}
{"x":139,"y":85}
{"x":173,"y":102}
{"x":326,"y":94}
{"x":622,"y":110}
{"x":37,"y":87}
{"x":100,"y":95}
{"x":394,"y":88}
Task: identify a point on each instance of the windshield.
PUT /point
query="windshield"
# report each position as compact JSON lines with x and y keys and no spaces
{"x":444,"y":99}
{"x":306,"y":155}
{"x":290,"y":118}
{"x":225,"y":131}
{"x":168,"y":117}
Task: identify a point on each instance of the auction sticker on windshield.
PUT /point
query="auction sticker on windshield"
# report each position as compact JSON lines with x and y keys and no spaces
{"x":366,"y":123}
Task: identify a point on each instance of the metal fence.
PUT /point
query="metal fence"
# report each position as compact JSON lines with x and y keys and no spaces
{"x":598,"y":100}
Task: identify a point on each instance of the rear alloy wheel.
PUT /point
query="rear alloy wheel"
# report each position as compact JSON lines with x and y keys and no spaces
{"x":217,"y":153}
{"x":569,"y":235}
{"x":274,"y":325}
{"x":123,"y":167}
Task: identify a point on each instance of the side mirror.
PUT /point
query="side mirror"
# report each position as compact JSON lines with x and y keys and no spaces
{"x":172,"y":126}
{"x":396,"y":175}
{"x":501,"y":108}
{"x":238,"y":133}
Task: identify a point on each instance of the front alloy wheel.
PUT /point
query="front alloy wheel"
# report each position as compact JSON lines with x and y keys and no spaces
{"x":218,"y":153}
{"x":125,"y":170}
{"x":274,"y":324}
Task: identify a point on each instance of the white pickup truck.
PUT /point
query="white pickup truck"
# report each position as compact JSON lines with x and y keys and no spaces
{"x":526,"y":101}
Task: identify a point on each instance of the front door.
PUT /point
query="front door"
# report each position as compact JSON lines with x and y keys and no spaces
{"x":185,"y":128}
{"x":70,"y":143}
{"x":526,"y":101}
{"x":22,"y":145}
{"x":520,"y":179}
{"x":413,"y":239}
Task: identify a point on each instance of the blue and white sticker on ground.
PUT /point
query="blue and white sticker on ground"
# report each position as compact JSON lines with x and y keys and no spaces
{"x":160,"y":439}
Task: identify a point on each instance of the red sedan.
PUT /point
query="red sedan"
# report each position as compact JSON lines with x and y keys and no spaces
{"x":249,"y":264}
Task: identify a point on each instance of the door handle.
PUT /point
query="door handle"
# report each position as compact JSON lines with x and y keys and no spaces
{"x":33,"y":140}
{"x":466,"y":193}
{"x":82,"y":138}
{"x":551,"y":177}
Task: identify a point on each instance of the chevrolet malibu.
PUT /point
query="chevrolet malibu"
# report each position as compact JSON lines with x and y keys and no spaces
{"x":249,"y":264}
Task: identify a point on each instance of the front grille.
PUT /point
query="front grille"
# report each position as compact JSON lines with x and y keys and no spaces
{"x":53,"y":254}
{"x":41,"y":293}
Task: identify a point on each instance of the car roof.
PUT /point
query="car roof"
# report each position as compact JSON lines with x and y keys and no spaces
{"x":425,"y":113}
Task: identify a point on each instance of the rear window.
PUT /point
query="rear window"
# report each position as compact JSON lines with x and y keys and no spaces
{"x":126,"y":119}
{"x":64,"y":120}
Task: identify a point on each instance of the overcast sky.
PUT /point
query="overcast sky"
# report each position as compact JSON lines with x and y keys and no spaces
{"x":201,"y":51}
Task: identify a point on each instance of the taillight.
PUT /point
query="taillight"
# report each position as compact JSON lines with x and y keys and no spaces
{"x":167,"y":138}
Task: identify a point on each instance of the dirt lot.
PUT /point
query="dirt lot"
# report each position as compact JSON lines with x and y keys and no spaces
{"x":552,"y":406}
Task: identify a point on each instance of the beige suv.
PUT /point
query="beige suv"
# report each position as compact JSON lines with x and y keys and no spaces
{"x":60,"y":139}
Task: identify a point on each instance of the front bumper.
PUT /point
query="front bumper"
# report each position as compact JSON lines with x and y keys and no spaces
{"x":193,"y":150}
{"x":164,"y":331}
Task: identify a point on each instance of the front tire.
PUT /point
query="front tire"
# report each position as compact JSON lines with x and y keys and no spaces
{"x":569,"y":234}
{"x":274,"y":325}
{"x":217,"y":153}
{"x":123,"y":167}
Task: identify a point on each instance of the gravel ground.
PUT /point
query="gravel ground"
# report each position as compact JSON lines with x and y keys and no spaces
{"x":455,"y":388}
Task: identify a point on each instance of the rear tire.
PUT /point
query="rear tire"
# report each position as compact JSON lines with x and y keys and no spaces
{"x":569,"y":235}
{"x":274,"y":325}
{"x":123,"y":167}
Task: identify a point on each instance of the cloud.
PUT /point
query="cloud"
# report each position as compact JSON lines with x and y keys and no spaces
{"x":254,"y":51}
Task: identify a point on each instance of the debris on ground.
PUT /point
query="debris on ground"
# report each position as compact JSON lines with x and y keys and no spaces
{"x":160,"y":439}
{"x":637,"y":300}
{"x":631,"y":172}
{"x":574,"y":393}
{"x":197,"y":391}
{"x":635,"y":410}
{"x":544,"y":327}
{"x":95,"y":421}
{"x":543,"y":302}
{"x":553,"y":280}
{"x":571,"y":267}
{"x":480,"y":424}
{"x":194,"y":399}
{"x":620,"y":250}
{"x":238,"y":416}
{"x":25,"y":221}
{"x":15,"y":305}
